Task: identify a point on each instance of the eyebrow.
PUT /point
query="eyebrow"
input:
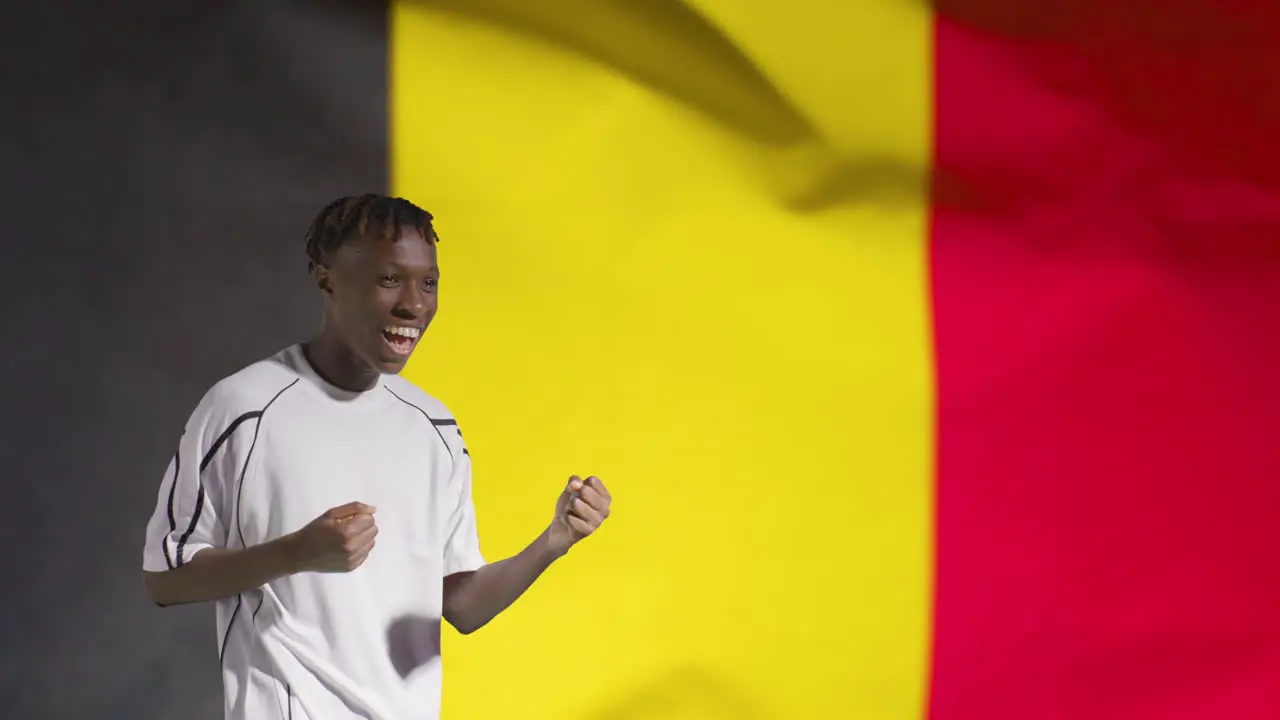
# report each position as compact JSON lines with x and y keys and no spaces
{"x":396,"y":264}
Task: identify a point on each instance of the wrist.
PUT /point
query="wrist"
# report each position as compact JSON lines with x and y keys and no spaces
{"x":551,"y":545}
{"x":285,"y":555}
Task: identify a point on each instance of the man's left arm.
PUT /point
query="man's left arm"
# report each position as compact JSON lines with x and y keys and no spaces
{"x":473,"y":598}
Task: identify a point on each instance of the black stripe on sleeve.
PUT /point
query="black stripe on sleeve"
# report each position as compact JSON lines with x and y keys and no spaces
{"x":173,"y":489}
{"x":195,"y":518}
{"x":435,"y":424}
{"x":217,"y":444}
{"x":450,"y":422}
{"x":208,"y":458}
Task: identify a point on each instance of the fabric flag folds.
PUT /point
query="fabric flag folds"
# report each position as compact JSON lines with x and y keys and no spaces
{"x":931,"y":349}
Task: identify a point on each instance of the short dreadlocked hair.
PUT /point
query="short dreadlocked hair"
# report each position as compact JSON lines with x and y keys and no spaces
{"x":352,"y":217}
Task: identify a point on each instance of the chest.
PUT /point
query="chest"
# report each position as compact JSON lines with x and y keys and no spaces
{"x":318,"y":458}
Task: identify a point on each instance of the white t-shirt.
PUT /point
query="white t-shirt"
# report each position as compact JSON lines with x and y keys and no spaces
{"x":268,"y":450}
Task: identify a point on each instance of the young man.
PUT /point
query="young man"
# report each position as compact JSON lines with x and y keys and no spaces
{"x":324,"y":503}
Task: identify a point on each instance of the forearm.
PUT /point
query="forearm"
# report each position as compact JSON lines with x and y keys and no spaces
{"x":215,"y":573}
{"x":471,"y":601}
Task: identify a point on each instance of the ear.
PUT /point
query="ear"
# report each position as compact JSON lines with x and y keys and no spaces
{"x":324,"y":279}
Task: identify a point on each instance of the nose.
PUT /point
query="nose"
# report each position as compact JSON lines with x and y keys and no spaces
{"x":413,"y":303}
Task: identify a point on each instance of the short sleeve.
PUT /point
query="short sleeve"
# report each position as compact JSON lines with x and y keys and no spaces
{"x":190,"y":509}
{"x":462,"y":538}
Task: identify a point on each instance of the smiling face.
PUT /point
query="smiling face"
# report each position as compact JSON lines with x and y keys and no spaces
{"x":380,"y":295}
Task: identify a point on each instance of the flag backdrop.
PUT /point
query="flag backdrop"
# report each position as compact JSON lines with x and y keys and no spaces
{"x":931,"y":352}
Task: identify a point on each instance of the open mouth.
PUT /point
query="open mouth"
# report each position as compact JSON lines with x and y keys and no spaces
{"x":401,"y":339}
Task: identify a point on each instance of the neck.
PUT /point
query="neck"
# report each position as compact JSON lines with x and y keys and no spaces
{"x":334,"y":361}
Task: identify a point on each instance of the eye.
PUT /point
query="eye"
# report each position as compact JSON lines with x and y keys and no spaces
{"x":430,"y":283}
{"x":388,"y":280}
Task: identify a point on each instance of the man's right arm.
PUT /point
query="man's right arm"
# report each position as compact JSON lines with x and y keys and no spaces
{"x":188,"y":555}
{"x":337,"y":541}
{"x":215,"y":573}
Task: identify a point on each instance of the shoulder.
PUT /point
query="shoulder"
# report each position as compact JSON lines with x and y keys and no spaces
{"x":249,"y":390}
{"x":419,"y":399}
{"x":426,"y":406}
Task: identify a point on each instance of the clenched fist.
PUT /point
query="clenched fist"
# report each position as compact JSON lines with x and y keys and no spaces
{"x":580,"y":510}
{"x":337,"y":541}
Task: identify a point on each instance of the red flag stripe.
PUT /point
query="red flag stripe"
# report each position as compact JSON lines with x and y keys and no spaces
{"x":1106,"y":282}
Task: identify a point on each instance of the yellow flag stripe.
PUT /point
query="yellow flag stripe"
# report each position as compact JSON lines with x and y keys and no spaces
{"x":704,"y":281}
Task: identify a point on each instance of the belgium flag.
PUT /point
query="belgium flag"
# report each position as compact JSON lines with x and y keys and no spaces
{"x":931,"y":351}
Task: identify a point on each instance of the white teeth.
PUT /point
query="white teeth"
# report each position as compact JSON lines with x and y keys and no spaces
{"x":408,"y":332}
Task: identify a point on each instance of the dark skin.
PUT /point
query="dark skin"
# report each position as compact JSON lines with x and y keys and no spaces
{"x":368,"y":285}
